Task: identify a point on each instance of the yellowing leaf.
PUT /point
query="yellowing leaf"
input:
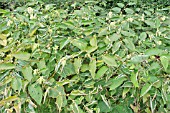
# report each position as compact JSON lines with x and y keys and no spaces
{"x":8,"y":99}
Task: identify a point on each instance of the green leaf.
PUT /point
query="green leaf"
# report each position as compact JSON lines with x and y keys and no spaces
{"x":35,"y":92}
{"x":116,"y":46}
{"x":103,"y":31}
{"x":6,"y":66}
{"x":121,"y":5}
{"x":93,"y":41}
{"x":109,"y":60}
{"x":153,"y":51}
{"x":101,"y":72}
{"x":139,"y":58}
{"x":22,"y":55}
{"x":116,"y":9}
{"x":27,"y":73}
{"x":145,"y":89}
{"x":129,"y":44}
{"x":54,"y":92}
{"x":79,"y":43}
{"x":64,"y":42}
{"x":103,"y":107}
{"x":92,"y":67}
{"x":3,"y":11}
{"x":60,"y":102}
{"x":164,"y":62}
{"x":143,"y":36}
{"x":129,"y":11}
{"x":77,"y":64}
{"x":134,"y":79}
{"x":117,"y":82}
{"x":16,"y":84}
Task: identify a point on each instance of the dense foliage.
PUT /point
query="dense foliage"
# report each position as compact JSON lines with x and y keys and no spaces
{"x":90,"y":56}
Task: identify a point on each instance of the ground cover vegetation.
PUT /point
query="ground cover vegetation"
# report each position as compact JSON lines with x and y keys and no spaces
{"x":90,"y":56}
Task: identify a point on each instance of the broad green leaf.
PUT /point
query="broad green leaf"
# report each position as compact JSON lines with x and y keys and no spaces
{"x":164,"y":62}
{"x":81,"y":44}
{"x":64,"y":42}
{"x":84,"y":67}
{"x":143,"y":36}
{"x":27,"y":73}
{"x":134,"y":79}
{"x":150,"y":23}
{"x":139,"y":58}
{"x":121,"y":5}
{"x":60,"y":102}
{"x":16,"y":84}
{"x":93,"y":41}
{"x":129,"y":11}
{"x":35,"y":92}
{"x":103,"y":31}
{"x":90,"y":49}
{"x":145,"y":89}
{"x":77,"y":64}
{"x":129,"y":44}
{"x":153,"y":51}
{"x":117,"y":82}
{"x":8,"y":99}
{"x":6,"y":66}
{"x":54,"y":92}
{"x":92,"y":67}
{"x":116,"y":47}
{"x":116,"y":9}
{"x":101,"y":72}
{"x":103,"y":107}
{"x":114,"y":37}
{"x":109,"y":60}
{"x":105,"y":101}
{"x":22,"y":55}
{"x":42,"y":66}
